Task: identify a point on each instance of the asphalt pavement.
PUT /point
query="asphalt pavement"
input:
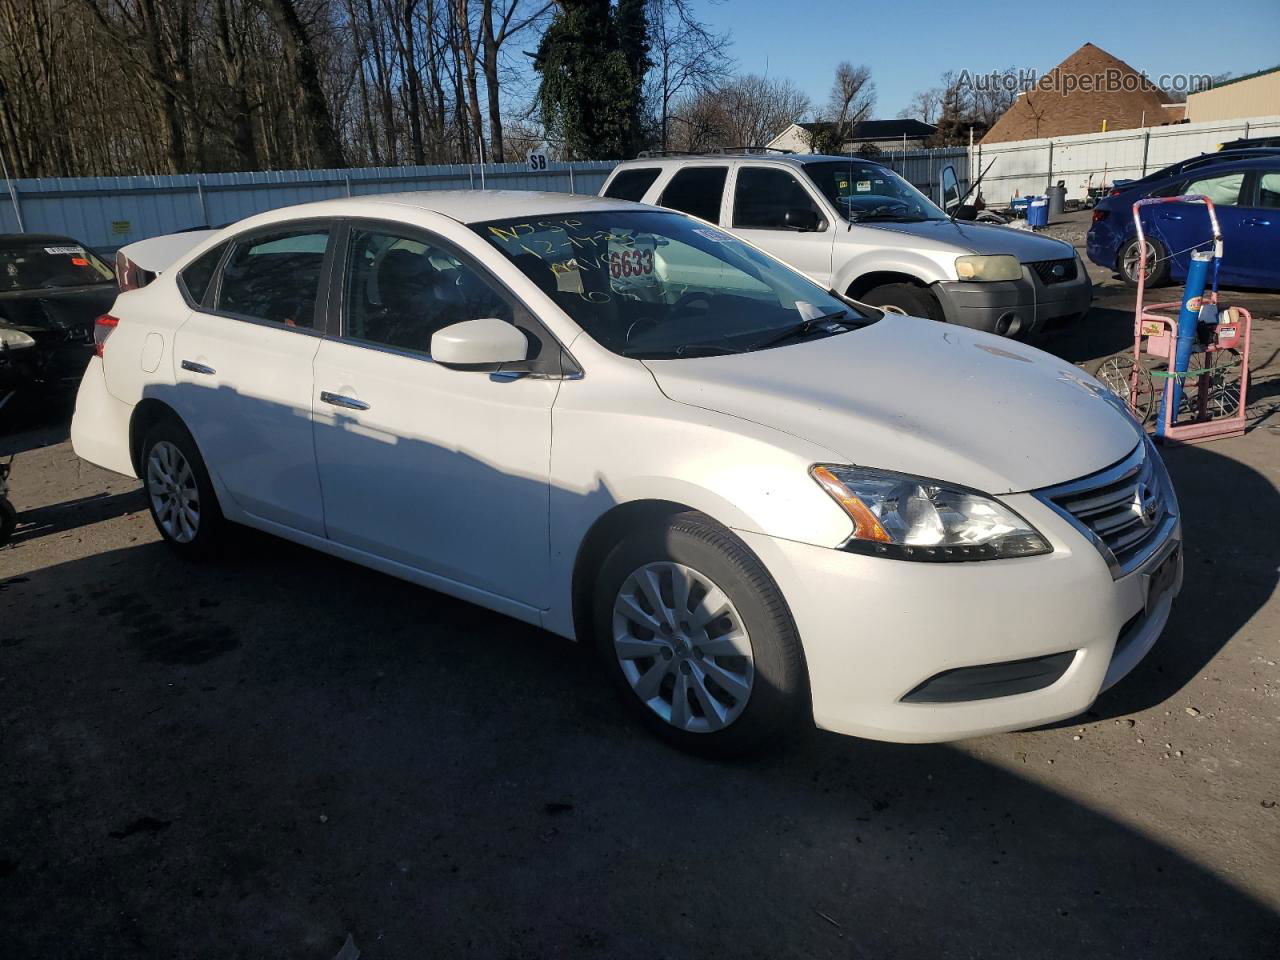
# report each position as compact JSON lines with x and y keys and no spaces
{"x":273,"y":754}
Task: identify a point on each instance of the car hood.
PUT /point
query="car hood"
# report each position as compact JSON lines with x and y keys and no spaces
{"x":920,"y":397}
{"x":987,"y":238}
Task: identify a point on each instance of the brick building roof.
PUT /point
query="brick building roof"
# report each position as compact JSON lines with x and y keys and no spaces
{"x":1123,"y":100}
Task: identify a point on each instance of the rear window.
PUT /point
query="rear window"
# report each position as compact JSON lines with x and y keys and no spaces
{"x":196,"y":277}
{"x":696,"y":191}
{"x":275,"y":277}
{"x":632,"y":184}
{"x":46,"y":264}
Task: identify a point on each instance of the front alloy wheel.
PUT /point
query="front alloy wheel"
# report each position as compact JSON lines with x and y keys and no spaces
{"x":683,"y":647}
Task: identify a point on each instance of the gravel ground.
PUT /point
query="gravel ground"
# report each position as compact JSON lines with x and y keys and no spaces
{"x":264,"y":757}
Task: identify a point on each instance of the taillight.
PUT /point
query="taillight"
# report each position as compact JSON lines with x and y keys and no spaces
{"x":1115,"y":192}
{"x":1100,"y":215}
{"x":102,"y":328}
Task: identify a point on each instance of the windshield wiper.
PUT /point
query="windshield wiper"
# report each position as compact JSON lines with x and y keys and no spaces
{"x":803,"y":328}
{"x":894,"y":217}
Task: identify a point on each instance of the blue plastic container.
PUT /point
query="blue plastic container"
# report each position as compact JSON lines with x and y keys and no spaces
{"x":1038,"y":212}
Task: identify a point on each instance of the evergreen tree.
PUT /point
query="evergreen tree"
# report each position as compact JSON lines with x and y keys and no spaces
{"x":593,"y":59}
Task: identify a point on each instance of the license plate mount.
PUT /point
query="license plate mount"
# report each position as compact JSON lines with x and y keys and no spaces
{"x":1161,"y":580}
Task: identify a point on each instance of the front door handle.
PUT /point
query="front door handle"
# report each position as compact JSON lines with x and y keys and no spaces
{"x":1257,"y":222}
{"x":1170,"y":216}
{"x":198,"y":368}
{"x":338,"y":400}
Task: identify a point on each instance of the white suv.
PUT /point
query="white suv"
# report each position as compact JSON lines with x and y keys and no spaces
{"x":624,"y":425}
{"x":858,"y":228}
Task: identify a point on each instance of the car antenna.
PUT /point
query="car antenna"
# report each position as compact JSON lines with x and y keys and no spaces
{"x":973,"y":186}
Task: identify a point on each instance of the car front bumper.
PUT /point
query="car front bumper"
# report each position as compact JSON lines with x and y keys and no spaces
{"x":1021,"y":307}
{"x":876,"y":630}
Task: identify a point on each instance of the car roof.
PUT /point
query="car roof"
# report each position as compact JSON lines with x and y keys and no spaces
{"x":477,"y":206}
{"x":791,"y":159}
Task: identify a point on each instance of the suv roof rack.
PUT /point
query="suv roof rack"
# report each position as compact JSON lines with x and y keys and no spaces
{"x":715,"y":152}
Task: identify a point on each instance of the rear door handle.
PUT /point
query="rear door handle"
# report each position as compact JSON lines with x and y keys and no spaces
{"x":198,"y":368}
{"x":338,"y":400}
{"x":1257,"y":222}
{"x":1170,"y":216}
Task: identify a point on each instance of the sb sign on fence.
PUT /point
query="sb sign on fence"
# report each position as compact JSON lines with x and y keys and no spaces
{"x":537,"y":161}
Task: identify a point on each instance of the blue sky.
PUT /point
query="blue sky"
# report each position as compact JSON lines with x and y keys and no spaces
{"x":909,"y":44}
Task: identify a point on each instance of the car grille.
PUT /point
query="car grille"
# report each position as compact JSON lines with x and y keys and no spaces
{"x":1054,"y":271}
{"x":1127,"y":511}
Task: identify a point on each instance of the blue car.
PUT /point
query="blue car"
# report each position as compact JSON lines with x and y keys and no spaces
{"x":1245,"y":188}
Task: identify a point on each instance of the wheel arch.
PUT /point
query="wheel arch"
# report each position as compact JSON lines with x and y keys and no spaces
{"x":877,"y":278}
{"x":610,"y":527}
{"x":146,"y":415}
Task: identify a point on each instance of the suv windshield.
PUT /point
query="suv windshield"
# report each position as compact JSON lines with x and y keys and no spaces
{"x":656,"y":285}
{"x":865,"y":192}
{"x":27,"y":265}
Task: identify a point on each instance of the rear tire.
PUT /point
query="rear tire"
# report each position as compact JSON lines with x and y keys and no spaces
{"x":713,"y":663}
{"x":903,"y":298}
{"x":1127,"y":263}
{"x":179,"y":493}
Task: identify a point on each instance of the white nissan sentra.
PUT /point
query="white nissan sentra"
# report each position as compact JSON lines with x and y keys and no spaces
{"x":762,"y":502}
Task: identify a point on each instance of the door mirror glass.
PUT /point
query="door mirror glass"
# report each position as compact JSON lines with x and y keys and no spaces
{"x":479,"y":343}
{"x":797,"y":218}
{"x":951,"y":190}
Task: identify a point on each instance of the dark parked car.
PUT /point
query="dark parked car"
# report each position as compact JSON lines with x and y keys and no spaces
{"x":52,"y":288}
{"x":1245,"y":188}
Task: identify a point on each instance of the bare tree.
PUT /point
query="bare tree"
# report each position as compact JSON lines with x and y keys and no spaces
{"x":853,"y":96}
{"x":688,"y":58}
{"x":746,"y":111}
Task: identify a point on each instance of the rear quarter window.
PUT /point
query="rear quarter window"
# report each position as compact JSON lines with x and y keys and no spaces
{"x":696,"y":191}
{"x":196,"y":275}
{"x":632,"y":184}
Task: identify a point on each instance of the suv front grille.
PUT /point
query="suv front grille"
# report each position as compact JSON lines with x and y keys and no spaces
{"x":1054,"y":271}
{"x":1126,"y":510}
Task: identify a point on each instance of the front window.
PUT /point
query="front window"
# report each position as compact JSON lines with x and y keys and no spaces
{"x":656,"y":285}
{"x":48,"y":264}
{"x":869,"y":193}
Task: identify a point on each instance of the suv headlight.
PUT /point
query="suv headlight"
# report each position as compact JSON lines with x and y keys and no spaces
{"x":913,"y":518}
{"x":15,"y":339}
{"x":1000,"y":266}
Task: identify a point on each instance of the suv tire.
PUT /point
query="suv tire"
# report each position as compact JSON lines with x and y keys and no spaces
{"x":903,"y":298}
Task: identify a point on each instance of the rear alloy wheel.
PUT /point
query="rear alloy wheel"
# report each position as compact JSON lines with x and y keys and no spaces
{"x":904,"y":299}
{"x":1157,"y":263}
{"x":179,"y":493}
{"x":698,"y":638}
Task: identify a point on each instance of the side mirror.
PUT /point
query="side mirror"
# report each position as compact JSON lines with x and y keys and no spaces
{"x":479,"y":343}
{"x":798,"y":218}
{"x":966,"y":211}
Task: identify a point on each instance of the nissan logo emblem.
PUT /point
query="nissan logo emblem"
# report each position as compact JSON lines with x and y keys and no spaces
{"x":1059,"y":270}
{"x":1145,"y":504}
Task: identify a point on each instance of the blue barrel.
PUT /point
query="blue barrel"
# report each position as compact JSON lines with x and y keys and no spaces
{"x":1038,"y":212}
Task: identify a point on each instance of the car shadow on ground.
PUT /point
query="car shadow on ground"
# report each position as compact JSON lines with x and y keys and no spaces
{"x":278,"y":750}
{"x":72,"y":514}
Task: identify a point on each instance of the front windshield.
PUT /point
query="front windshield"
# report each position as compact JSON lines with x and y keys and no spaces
{"x":52,"y":263}
{"x":864,"y":191}
{"x":656,"y":285}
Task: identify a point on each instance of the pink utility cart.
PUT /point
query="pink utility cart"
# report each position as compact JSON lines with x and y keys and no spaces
{"x":1216,"y":379}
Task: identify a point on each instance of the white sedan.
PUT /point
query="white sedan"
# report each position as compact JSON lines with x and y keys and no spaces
{"x":764,"y":503}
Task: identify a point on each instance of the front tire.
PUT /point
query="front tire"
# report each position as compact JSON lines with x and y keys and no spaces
{"x":903,"y":299}
{"x":698,"y":638}
{"x":179,"y":493}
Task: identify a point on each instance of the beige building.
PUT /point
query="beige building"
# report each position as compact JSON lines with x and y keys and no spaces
{"x":1257,"y":95}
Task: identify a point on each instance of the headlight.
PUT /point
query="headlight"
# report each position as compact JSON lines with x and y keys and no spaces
{"x":15,"y":339}
{"x":911,"y":518}
{"x":997,"y":267}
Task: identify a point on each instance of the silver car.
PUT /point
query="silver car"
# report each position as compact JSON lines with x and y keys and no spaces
{"x":858,"y":228}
